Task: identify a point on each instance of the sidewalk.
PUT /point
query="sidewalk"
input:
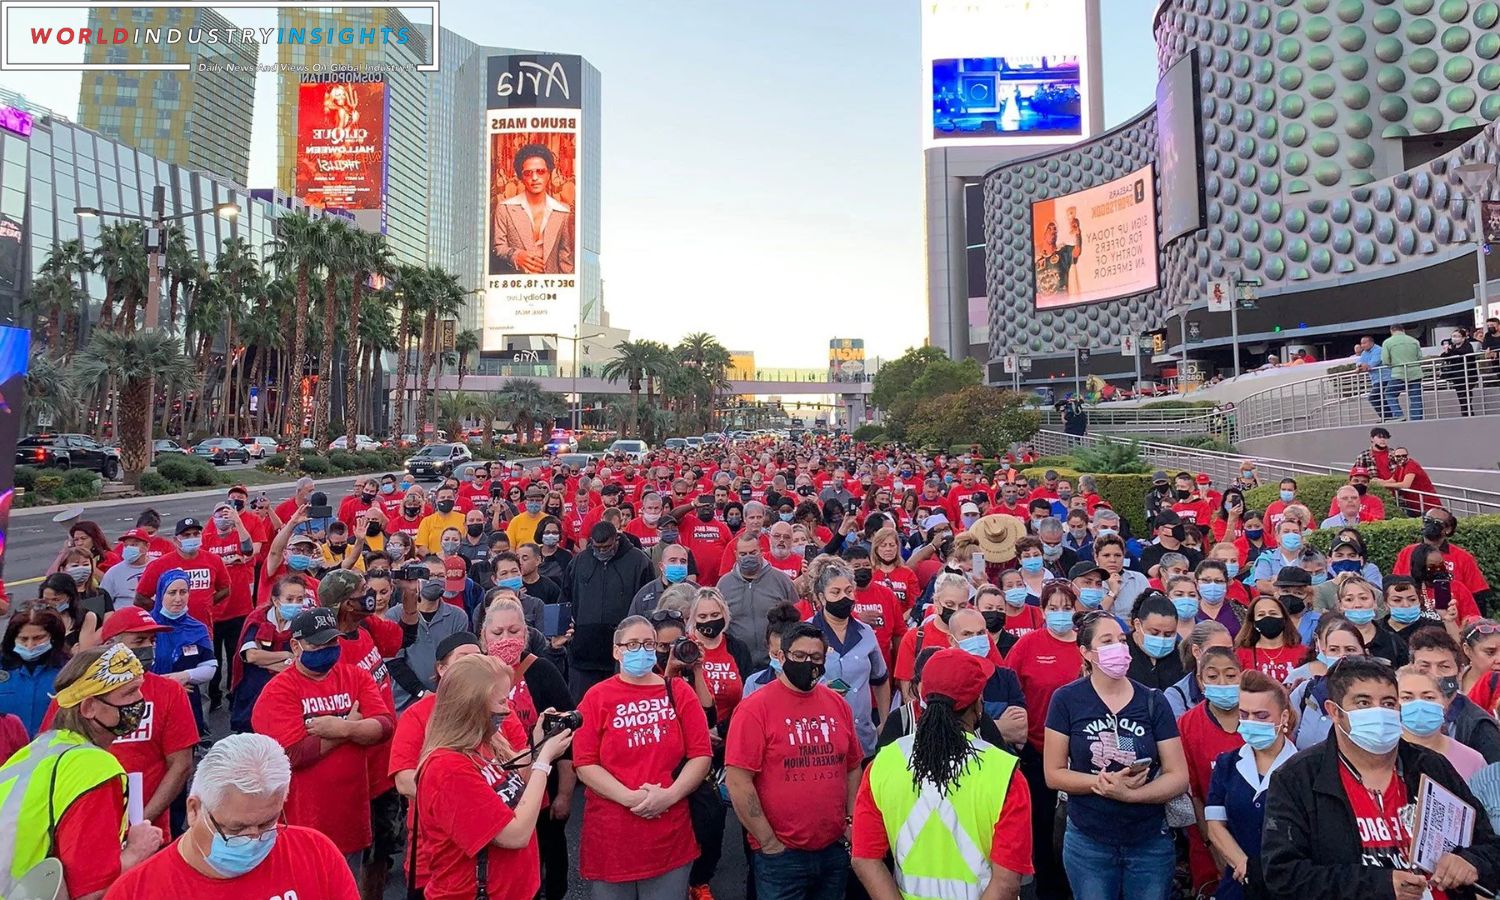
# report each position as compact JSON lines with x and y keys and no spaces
{"x":56,"y":508}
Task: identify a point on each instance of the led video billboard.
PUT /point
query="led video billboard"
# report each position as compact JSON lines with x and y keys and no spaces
{"x":533,"y":128}
{"x":1179,"y":151}
{"x":1004,"y":71}
{"x":1096,"y":244}
{"x":341,"y":144}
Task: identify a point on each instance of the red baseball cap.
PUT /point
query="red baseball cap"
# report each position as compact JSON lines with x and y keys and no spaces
{"x":1359,"y":472}
{"x":131,"y":618}
{"x":135,"y":534}
{"x":955,"y":674}
{"x":450,"y":583}
{"x":1203,"y":478}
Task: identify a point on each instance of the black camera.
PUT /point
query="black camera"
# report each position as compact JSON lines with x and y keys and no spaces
{"x":686,"y":651}
{"x":413,"y":572}
{"x":558,"y":722}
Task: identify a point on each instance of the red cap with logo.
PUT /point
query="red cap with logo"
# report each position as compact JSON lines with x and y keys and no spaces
{"x":452,"y":583}
{"x":131,"y":618}
{"x":135,"y":534}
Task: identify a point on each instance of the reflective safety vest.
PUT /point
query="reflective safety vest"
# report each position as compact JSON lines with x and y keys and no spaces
{"x":35,"y":791}
{"x":941,"y":844}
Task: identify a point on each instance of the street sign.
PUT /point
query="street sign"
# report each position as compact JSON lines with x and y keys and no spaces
{"x":1025,"y":364}
{"x":1010,"y":364}
{"x":450,"y":334}
{"x":1083,"y":355}
{"x":1489,"y":213}
{"x":254,"y":399}
{"x":1128,"y":345}
{"x":1194,"y":331}
{"x":1219,"y":296}
{"x":1247,"y":299}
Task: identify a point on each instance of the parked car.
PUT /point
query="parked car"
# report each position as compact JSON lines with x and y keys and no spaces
{"x":694,"y":442}
{"x":169,"y":447}
{"x":634,"y":449}
{"x":562,"y":441}
{"x":68,"y":451}
{"x":678,"y":444}
{"x":307,"y":444}
{"x":362,"y":442}
{"x":222,"y":450}
{"x":716,"y":438}
{"x":407,"y":441}
{"x":261,"y":446}
{"x":436,"y":461}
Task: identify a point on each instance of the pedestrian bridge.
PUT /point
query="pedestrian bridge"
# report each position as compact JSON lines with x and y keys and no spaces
{"x":590,"y":384}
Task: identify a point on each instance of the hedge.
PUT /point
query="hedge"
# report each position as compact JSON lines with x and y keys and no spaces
{"x":1125,"y":494}
{"x":187,"y":471}
{"x":1316,"y":492}
{"x":1480,"y":535}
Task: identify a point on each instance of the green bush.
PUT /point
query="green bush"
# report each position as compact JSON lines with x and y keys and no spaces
{"x":1195,"y":441}
{"x":869,"y":433}
{"x":26,"y":501}
{"x":25,"y":477}
{"x":187,"y":471}
{"x":1480,"y":535}
{"x":1316,"y":492}
{"x":156,"y":483}
{"x":82,"y":479}
{"x":1053,"y":462}
{"x":1126,"y":495}
{"x":1112,"y":457}
{"x":47,"y":484}
{"x":343,"y":460}
{"x":313,"y":464}
{"x":1179,"y":404}
{"x":70,"y":493}
{"x":275,"y":462}
{"x":1039,"y":472}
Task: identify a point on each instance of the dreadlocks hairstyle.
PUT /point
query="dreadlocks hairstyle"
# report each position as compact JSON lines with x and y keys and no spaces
{"x":941,"y":750}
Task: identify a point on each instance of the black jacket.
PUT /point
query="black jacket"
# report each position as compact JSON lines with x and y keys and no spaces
{"x":601,"y":593}
{"x":1471,"y":726}
{"x":1311,"y":845}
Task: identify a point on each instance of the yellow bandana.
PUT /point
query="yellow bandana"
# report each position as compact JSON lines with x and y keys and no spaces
{"x":116,"y":668}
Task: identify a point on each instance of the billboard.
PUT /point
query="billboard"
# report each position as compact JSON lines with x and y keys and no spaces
{"x":15,"y":356}
{"x":11,"y":261}
{"x":1179,"y":151}
{"x":341,"y":144}
{"x":533,"y":125}
{"x":1004,"y":71}
{"x":1096,"y":244}
{"x":846,"y":359}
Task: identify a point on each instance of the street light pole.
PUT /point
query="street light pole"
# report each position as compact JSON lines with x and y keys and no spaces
{"x":158,"y":238}
{"x":576,"y":413}
{"x":1476,"y":180}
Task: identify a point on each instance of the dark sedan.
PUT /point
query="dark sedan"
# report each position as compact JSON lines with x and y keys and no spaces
{"x":221,"y":451}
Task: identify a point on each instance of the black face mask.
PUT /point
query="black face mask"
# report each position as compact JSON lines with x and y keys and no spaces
{"x":554,"y":511}
{"x":662,"y":658}
{"x":839,"y":609}
{"x":705,"y":514}
{"x":367,"y":603}
{"x":372,"y":529}
{"x":1449,"y":686}
{"x":130,"y":717}
{"x":1270,"y":627}
{"x":1432,"y":530}
{"x":945,"y":614}
{"x":475,"y":530}
{"x":1361,"y":489}
{"x":863,"y":577}
{"x":410,"y":511}
{"x":733,"y":522}
{"x":367,"y":497}
{"x":711,"y":628}
{"x":994,"y":620}
{"x":1294,"y":604}
{"x":1179,"y":532}
{"x":802,"y":675}
{"x":1183,"y":495}
{"x":337,"y":546}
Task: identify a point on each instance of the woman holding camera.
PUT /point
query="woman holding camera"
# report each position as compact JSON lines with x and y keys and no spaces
{"x":642,"y":749}
{"x":478,"y":798}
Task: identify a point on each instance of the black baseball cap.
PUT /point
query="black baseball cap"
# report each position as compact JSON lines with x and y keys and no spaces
{"x":1085,"y":567}
{"x":453,"y":641}
{"x":1292,"y":576}
{"x":187,"y":524}
{"x":1166,"y":517}
{"x":1159,"y":477}
{"x":318,"y":626}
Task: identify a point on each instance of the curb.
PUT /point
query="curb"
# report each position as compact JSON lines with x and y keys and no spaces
{"x":56,"y":508}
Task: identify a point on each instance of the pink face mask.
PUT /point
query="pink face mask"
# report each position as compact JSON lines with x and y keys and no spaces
{"x":509,"y":650}
{"x":1114,"y":659}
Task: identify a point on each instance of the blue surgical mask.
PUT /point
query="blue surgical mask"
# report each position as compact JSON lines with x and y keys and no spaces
{"x":978,"y":645}
{"x":1259,"y":735}
{"x":1222,"y":696}
{"x":513,"y":582}
{"x":675,"y":572}
{"x":785,"y":517}
{"x":551,"y":540}
{"x":405,"y":486}
{"x":1187,"y":607}
{"x":1232,"y":569}
{"x":1032,"y":564}
{"x":1288,"y":496}
{"x":775,"y":664}
{"x":1016,"y":596}
{"x":1212,"y":591}
{"x":320,"y":660}
{"x":130,"y":554}
{"x":174,"y":615}
{"x":533,"y":507}
{"x":242,"y":856}
{"x":1340,"y":566}
{"x":190,"y":545}
{"x":1422,"y":717}
{"x":1060,"y":621}
{"x":387,"y":489}
{"x":1405,"y":615}
{"x":1091,"y":597}
{"x":299,"y":562}
{"x":34,"y":652}
{"x":288,"y":611}
{"x":1360,"y":616}
{"x":1327,"y":660}
{"x":1105,"y":532}
{"x":636,"y":663}
{"x":1319,"y":577}
{"x":1292,"y":540}
{"x":1157,"y":646}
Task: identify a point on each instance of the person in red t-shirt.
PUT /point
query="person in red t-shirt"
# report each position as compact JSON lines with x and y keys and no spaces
{"x":793,"y":761}
{"x":99,"y":697}
{"x":147,"y":524}
{"x":637,"y":731}
{"x":706,"y":537}
{"x":208,"y":579}
{"x":325,"y":714}
{"x":237,"y":540}
{"x":467,"y":802}
{"x":952,"y":690}
{"x":875,"y":604}
{"x":781,"y":556}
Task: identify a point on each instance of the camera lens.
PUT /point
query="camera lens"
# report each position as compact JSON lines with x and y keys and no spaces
{"x":686,"y":651}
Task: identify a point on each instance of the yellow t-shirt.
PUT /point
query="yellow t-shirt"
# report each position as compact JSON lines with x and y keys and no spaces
{"x":430,"y":531}
{"x":522,"y":528}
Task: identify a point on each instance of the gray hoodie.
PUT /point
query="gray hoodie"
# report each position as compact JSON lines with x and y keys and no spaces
{"x":750,"y":601}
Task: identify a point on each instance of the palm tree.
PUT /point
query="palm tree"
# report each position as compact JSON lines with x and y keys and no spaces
{"x":410,"y":294}
{"x":704,"y":362}
{"x":121,"y":259}
{"x":369,"y":257}
{"x":487,"y":407}
{"x":300,"y":247}
{"x":338,"y":261}
{"x":238,"y":270}
{"x":377,"y":334}
{"x":51,"y":390}
{"x":135,"y":360}
{"x":445,"y":300}
{"x":465,"y":345}
{"x":54,"y":297}
{"x":524,"y":404}
{"x":639,"y":363}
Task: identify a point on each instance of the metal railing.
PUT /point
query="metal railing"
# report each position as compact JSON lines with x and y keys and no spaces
{"x":1224,"y":467}
{"x":1194,"y":420}
{"x":1451,"y":388}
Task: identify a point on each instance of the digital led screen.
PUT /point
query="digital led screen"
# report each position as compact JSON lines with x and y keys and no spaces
{"x":1096,"y":244}
{"x":341,"y":144}
{"x":1179,"y":151}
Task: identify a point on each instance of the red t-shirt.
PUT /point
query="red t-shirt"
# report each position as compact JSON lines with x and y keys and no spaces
{"x":1220,"y":528}
{"x":206,"y":576}
{"x":464,"y":801}
{"x":801,"y":748}
{"x":878,"y":608}
{"x":241,"y":568}
{"x":1024,"y":620}
{"x":1383,"y":835}
{"x":332,"y":793}
{"x":88,"y":834}
{"x":903,"y":583}
{"x":1195,"y":511}
{"x":725,"y":681}
{"x":1010,"y":845}
{"x":368,"y":648}
{"x":302,"y":864}
{"x":351,"y":506}
{"x":1277,"y":662}
{"x":166,"y":727}
{"x":706,"y":541}
{"x":640,"y":737}
{"x":928,"y":635}
{"x":1459,"y":562}
{"x":1202,"y":742}
{"x":1419,"y":497}
{"x":1043,"y":662}
{"x":1274,"y":511}
{"x":396,"y":523}
{"x":648,"y":535}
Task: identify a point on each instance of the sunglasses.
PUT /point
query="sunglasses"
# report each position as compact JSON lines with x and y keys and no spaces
{"x":1480,"y":629}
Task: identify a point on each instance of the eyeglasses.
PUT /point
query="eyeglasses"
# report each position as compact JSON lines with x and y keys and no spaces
{"x":1399,"y":459}
{"x":245,"y":840}
{"x":658,"y":616}
{"x":640,"y":645}
{"x":799,"y":656}
{"x":1480,"y":629}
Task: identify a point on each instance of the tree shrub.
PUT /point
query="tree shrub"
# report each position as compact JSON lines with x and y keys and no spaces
{"x":343,"y":460}
{"x":48,"y":483}
{"x":155,"y":483}
{"x":25,"y":477}
{"x":187,"y":471}
{"x":313,"y":464}
{"x":1126,"y":495}
{"x":1110,"y":457}
{"x":82,"y":479}
{"x":869,"y":432}
{"x":1480,"y":535}
{"x":275,"y":462}
{"x":1316,"y":493}
{"x":71,"y":493}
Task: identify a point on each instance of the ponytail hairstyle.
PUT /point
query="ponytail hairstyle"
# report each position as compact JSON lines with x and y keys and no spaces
{"x":941,"y":750}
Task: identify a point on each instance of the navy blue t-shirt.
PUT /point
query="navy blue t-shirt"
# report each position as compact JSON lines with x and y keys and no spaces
{"x":1099,"y":741}
{"x":1002,"y":690}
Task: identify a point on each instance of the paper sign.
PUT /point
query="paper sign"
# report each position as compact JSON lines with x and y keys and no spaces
{"x":1220,"y":298}
{"x":135,"y":798}
{"x":1443,"y":822}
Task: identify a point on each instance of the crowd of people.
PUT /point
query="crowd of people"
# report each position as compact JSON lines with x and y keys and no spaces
{"x":904,"y":674}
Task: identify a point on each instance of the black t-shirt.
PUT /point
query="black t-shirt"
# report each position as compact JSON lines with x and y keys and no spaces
{"x":544,"y":589}
{"x":1152,"y":553}
{"x":1159,"y":674}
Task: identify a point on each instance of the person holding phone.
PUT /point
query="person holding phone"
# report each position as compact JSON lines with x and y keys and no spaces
{"x":1112,"y":746}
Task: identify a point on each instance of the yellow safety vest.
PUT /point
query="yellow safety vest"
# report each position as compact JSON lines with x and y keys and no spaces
{"x":941,"y":844}
{"x":35,"y":792}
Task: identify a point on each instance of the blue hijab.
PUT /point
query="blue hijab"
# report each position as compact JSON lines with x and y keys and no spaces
{"x":185,"y":631}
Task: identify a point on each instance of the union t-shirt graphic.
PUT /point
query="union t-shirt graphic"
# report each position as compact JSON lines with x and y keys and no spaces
{"x":644,"y":721}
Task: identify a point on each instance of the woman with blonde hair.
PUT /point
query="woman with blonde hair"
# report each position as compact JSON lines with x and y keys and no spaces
{"x":478,"y":797}
{"x":885,"y":554}
{"x":1362,"y":604}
